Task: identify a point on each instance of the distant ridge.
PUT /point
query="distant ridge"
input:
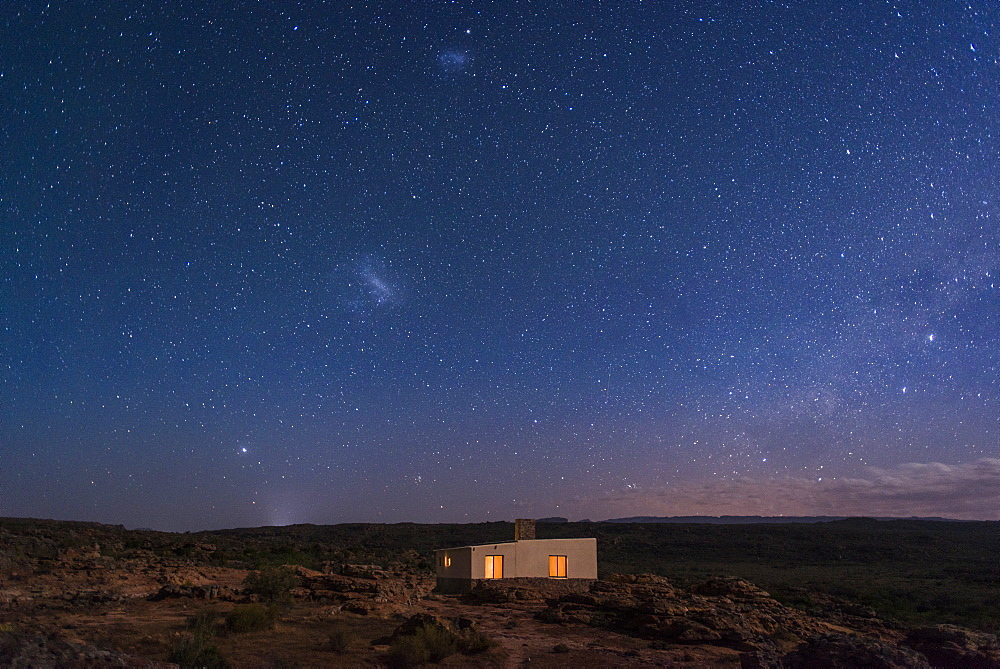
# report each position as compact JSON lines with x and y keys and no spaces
{"x":752,"y":520}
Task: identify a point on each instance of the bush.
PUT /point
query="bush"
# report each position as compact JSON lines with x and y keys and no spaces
{"x":204,"y":622}
{"x":560,"y":648}
{"x":433,"y":643}
{"x":473,"y":641}
{"x":245,"y":618}
{"x":197,"y":651}
{"x":439,"y":641}
{"x":340,"y":640}
{"x":408,"y":651}
{"x":271,"y":583}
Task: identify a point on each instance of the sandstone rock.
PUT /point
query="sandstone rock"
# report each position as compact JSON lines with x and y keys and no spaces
{"x":951,"y":646}
{"x":371,"y":571}
{"x":304,"y":572}
{"x":842,"y":650}
{"x":419,"y":621}
{"x":10,"y":598}
{"x":49,"y":651}
{"x":360,"y":607}
{"x":496,"y":593}
{"x":392,"y":593}
{"x":761,"y":659}
{"x":731,"y":587}
{"x":85,"y":597}
{"x":683,"y":630}
{"x":723,"y":612}
{"x":211,"y":591}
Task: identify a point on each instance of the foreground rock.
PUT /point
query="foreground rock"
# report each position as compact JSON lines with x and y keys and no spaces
{"x":951,"y":646}
{"x":364,"y":590}
{"x":843,"y":650}
{"x":734,"y":614}
{"x":52,"y":651}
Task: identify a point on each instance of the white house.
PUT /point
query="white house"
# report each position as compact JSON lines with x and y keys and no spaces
{"x":523,"y":558}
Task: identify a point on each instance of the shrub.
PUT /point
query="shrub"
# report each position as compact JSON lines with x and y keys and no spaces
{"x":433,"y":643}
{"x":440,"y":642}
{"x":204,"y":622}
{"x":550,"y":615}
{"x":474,"y":641}
{"x":271,"y":583}
{"x":408,"y":651}
{"x":197,"y":651}
{"x":245,"y":618}
{"x":340,"y":640}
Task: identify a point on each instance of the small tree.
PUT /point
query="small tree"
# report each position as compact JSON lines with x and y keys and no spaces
{"x":272,"y":584}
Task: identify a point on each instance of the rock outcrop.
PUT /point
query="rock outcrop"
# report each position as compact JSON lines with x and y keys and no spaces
{"x":843,"y":650}
{"x":726,"y":612}
{"x":735,"y":614}
{"x":951,"y":646}
{"x":371,"y":591}
{"x":51,"y":651}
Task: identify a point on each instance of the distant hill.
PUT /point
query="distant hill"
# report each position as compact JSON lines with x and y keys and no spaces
{"x":749,"y":520}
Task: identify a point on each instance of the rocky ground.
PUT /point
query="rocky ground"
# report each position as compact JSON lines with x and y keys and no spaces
{"x":88,"y":606}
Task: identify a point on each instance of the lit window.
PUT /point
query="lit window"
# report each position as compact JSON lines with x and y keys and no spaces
{"x":494,"y":566}
{"x":557,"y":566}
{"x":447,"y":560}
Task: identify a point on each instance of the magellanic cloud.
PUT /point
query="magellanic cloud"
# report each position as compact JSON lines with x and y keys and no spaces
{"x":968,"y":491}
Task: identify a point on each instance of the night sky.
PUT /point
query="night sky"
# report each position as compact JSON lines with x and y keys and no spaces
{"x":267,"y":263}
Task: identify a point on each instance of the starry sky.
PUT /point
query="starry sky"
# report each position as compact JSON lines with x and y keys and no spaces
{"x":271,"y":262}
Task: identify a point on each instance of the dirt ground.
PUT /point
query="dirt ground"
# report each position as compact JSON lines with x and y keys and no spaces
{"x":148,"y":630}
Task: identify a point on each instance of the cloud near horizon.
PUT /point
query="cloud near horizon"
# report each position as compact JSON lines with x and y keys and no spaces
{"x":969,"y":491}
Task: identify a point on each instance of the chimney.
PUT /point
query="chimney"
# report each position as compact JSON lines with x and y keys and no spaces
{"x":524,"y":528}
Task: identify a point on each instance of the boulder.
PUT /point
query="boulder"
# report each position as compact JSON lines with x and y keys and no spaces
{"x":18,"y":650}
{"x":416,"y":622}
{"x":723,"y":612}
{"x":371,"y":571}
{"x":683,"y":630}
{"x":951,"y":646}
{"x":731,"y":587}
{"x":842,"y":650}
{"x":210,"y":591}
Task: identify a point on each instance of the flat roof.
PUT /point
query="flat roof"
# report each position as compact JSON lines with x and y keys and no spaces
{"x":519,"y":541}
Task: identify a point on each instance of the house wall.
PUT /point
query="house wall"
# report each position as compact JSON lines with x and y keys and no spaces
{"x":533,"y":557}
{"x":521,"y":559}
{"x":508,"y":551}
{"x":461,"y":562}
